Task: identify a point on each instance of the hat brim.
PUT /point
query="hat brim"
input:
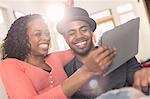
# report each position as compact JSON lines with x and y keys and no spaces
{"x":61,"y":25}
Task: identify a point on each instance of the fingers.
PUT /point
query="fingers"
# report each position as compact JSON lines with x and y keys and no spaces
{"x":99,"y":59}
{"x":142,"y":79}
{"x":104,"y":51}
{"x":104,"y":57}
{"x":106,"y":61}
{"x":137,"y":81}
{"x":144,"y":84}
{"x":100,"y":50}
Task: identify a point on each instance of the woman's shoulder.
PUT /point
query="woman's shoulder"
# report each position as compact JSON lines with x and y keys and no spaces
{"x":60,"y":53}
{"x":11,"y":63}
{"x":61,"y":57}
{"x":10,"y":60}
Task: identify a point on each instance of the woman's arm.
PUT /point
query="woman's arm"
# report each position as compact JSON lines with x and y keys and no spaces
{"x":19,"y":86}
{"x":95,"y":63}
{"x":63,"y":56}
{"x":74,"y":82}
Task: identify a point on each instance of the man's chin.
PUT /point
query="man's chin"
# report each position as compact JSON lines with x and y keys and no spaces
{"x":82,"y":53}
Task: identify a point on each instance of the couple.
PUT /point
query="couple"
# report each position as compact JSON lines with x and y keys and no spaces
{"x":29,"y":72}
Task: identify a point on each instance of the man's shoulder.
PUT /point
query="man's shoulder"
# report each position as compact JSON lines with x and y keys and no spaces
{"x":73,"y":61}
{"x":70,"y":67}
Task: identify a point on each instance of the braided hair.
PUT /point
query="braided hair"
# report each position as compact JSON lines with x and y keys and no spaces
{"x":16,"y":44}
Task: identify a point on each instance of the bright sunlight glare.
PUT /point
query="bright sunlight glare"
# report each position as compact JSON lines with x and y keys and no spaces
{"x":55,"y":12}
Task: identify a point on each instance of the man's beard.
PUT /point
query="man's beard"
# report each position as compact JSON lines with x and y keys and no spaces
{"x":84,"y":53}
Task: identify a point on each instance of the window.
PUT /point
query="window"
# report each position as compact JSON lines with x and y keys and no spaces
{"x":127,"y":16}
{"x":105,"y":22}
{"x":57,"y":40}
{"x":62,"y":43}
{"x":101,"y":14}
{"x":125,"y":12}
{"x":124,"y":8}
{"x":18,"y":14}
{"x":3,"y":26}
{"x":1,"y":16}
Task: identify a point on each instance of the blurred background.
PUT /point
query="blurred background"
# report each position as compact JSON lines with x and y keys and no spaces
{"x":107,"y":13}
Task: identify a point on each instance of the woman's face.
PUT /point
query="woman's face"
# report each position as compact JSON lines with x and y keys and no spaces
{"x":39,"y":37}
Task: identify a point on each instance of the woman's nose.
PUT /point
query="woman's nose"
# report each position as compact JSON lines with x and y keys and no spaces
{"x":46,"y":37}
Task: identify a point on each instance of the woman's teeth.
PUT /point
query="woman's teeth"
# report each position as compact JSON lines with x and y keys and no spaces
{"x":43,"y":45}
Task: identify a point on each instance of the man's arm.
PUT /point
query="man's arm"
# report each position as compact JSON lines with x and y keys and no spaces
{"x":95,"y":64}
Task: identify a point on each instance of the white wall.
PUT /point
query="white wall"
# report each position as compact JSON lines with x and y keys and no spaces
{"x":144,"y":48}
{"x":6,"y":22}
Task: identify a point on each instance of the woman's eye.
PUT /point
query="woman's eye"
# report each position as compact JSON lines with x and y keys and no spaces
{"x":37,"y":33}
{"x":47,"y":33}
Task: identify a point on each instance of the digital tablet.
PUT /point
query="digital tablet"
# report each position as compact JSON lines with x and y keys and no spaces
{"x":125,"y":39}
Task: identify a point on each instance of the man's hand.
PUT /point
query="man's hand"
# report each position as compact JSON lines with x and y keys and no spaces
{"x":99,"y":59}
{"x":142,"y":79}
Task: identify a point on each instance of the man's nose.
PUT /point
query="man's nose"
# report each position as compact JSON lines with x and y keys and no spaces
{"x":79,"y":34}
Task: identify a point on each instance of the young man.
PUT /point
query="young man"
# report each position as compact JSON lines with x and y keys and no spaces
{"x":77,"y":28}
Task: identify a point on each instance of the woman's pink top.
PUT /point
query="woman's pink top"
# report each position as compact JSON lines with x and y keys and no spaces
{"x":25,"y":81}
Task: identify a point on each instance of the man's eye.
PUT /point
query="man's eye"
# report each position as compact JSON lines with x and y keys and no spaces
{"x":71,"y":33}
{"x":84,"y":30}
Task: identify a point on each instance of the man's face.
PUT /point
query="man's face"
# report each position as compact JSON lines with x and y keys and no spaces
{"x":78,"y":35}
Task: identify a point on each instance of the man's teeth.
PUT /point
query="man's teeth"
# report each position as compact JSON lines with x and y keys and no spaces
{"x":43,"y":45}
{"x":81,"y":43}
